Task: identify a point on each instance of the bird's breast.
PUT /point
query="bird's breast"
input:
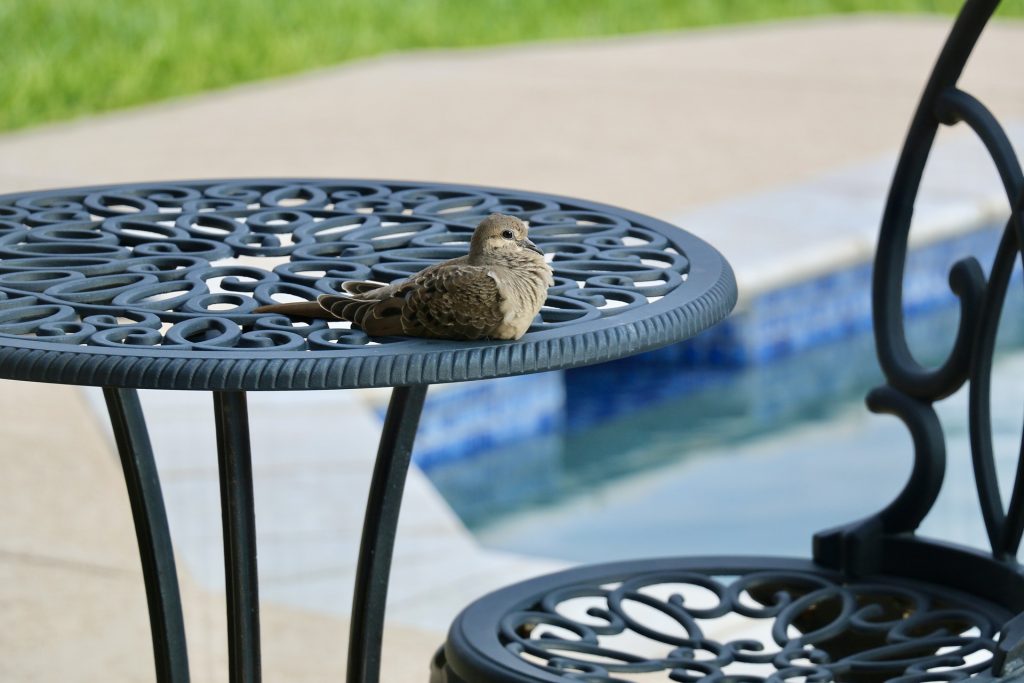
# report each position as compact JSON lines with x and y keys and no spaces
{"x":522,"y":295}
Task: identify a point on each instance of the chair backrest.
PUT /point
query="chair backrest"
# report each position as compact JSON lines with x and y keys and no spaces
{"x":886,"y":542}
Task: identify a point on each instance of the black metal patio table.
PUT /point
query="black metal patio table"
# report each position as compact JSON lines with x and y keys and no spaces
{"x":152,"y":286}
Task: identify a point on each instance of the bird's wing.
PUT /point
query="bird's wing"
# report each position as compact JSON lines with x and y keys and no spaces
{"x":454,"y":301}
{"x":384,"y":316}
{"x":368,"y":289}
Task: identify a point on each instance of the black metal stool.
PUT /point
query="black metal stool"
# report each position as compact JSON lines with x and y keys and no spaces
{"x":878,"y":602}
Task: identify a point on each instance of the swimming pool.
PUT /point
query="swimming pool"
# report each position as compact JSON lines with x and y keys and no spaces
{"x":753,"y":461}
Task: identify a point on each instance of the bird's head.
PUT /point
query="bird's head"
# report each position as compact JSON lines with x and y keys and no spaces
{"x":501,"y":239}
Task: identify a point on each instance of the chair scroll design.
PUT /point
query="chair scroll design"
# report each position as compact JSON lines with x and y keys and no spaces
{"x":885,"y":542}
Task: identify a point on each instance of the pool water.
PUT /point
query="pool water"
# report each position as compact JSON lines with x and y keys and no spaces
{"x":753,"y":461}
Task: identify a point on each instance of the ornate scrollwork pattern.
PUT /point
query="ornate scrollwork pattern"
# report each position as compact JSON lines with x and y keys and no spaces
{"x":184,"y":265}
{"x":170,"y":267}
{"x":201,"y":258}
{"x":821,"y":629}
{"x":912,"y":388}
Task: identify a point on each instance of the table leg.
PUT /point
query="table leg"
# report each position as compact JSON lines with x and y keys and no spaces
{"x":379,"y":526}
{"x":167,"y":627}
{"x":239,"y":524}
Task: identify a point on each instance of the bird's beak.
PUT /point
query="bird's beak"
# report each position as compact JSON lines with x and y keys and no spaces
{"x":528,"y":244}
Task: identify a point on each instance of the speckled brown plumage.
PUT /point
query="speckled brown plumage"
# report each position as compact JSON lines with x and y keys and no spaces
{"x":494,"y":292}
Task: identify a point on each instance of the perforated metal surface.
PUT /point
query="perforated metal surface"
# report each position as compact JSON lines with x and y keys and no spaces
{"x":718,"y":619}
{"x":153,"y":285}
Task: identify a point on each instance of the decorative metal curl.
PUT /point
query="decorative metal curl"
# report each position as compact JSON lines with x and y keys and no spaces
{"x":911,"y":389}
{"x":823,"y":628}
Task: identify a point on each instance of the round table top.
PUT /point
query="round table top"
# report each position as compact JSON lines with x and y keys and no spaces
{"x":152,"y":285}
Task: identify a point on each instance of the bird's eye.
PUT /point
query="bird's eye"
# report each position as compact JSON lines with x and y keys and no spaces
{"x":508,"y":234}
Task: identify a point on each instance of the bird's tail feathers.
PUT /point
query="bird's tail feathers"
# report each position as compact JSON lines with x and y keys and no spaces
{"x":379,"y":318}
{"x":297,"y":309}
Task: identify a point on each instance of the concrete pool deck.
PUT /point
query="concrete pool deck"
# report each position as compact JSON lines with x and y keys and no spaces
{"x":665,"y":124}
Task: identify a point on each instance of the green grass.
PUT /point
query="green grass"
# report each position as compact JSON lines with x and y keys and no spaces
{"x":65,"y":58}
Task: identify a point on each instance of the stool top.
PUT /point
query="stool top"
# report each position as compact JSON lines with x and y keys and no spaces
{"x":152,"y":285}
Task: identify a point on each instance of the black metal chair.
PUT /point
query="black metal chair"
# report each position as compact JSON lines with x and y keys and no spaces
{"x":878,"y":602}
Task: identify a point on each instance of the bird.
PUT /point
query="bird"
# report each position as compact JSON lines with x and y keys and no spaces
{"x":493,"y":292}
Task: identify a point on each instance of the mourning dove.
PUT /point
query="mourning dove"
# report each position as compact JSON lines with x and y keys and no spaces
{"x":493,"y":292}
